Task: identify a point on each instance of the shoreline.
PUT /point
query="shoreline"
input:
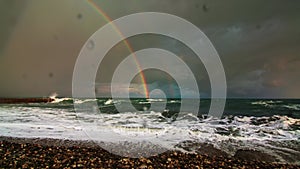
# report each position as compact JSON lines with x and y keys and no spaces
{"x":25,"y":100}
{"x":55,"y":153}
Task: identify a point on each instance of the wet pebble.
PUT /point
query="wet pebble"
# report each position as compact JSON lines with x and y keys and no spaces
{"x":28,"y":155}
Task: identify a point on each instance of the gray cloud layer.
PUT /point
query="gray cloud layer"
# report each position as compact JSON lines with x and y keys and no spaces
{"x":258,"y":42}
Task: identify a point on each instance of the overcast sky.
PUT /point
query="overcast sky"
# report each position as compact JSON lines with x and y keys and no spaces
{"x":258,"y":43}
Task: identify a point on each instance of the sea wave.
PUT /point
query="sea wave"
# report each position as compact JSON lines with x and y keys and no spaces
{"x":230,"y":133}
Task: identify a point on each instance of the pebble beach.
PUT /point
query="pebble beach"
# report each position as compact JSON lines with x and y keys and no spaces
{"x":56,"y":153}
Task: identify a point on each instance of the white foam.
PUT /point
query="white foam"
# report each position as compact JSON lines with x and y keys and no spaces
{"x":139,"y":126}
{"x":109,"y":101}
{"x":293,"y":107}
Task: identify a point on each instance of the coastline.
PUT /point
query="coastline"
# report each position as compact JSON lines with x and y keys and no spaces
{"x":25,"y":100}
{"x":56,"y":153}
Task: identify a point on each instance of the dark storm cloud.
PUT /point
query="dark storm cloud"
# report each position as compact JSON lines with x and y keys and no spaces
{"x":258,"y":42}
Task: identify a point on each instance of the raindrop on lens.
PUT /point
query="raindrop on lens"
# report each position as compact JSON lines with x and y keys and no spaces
{"x":79,"y":16}
{"x":90,"y":45}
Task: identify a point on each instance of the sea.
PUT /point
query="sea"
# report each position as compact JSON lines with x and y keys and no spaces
{"x":271,"y":126}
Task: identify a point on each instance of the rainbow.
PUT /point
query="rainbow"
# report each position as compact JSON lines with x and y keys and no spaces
{"x":127,"y":44}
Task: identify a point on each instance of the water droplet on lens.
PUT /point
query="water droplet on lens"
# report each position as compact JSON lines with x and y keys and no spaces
{"x":79,"y":16}
{"x":90,"y":44}
{"x":50,"y":74}
{"x":204,"y":8}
